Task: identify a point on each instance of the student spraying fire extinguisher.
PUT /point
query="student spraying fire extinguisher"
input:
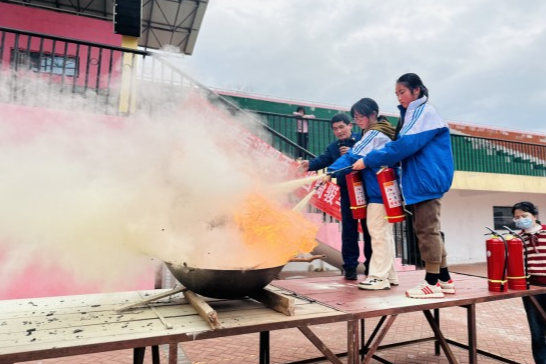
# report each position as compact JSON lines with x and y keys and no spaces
{"x":534,"y":235}
{"x":377,"y":132}
{"x":422,"y":146}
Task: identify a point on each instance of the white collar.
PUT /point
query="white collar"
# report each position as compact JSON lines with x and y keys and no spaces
{"x":533,"y":229}
{"x":416,"y":103}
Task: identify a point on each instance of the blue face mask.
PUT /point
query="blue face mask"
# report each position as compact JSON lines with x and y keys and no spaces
{"x":524,"y":223}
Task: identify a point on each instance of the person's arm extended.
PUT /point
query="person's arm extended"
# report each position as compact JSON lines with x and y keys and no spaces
{"x":322,"y":161}
{"x":397,"y":150}
{"x":344,"y":161}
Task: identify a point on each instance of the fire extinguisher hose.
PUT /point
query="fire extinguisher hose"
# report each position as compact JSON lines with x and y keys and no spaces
{"x":504,"y":278}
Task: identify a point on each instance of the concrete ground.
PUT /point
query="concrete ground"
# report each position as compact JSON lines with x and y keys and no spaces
{"x":501,"y":325}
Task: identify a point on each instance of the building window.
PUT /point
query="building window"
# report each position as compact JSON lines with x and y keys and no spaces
{"x":44,"y":62}
{"x":502,"y":216}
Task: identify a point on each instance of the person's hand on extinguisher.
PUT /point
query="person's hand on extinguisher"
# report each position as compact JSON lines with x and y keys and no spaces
{"x":359,"y":165}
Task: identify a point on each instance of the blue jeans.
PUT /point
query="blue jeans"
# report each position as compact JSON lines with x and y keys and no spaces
{"x":537,"y":328}
{"x":350,"y":250}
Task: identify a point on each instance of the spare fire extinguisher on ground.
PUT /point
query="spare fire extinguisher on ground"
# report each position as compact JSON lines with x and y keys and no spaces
{"x":497,"y":254}
{"x":355,"y":186}
{"x":390,"y":191}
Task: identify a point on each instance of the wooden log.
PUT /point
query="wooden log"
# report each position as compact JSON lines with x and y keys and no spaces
{"x":275,"y":301}
{"x":151,"y":299}
{"x":203,"y":309}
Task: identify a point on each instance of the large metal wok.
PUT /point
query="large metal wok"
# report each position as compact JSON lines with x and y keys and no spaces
{"x":228,"y":283}
{"x":219,"y":283}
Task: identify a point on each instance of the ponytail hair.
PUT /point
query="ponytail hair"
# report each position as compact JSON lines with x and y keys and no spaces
{"x":413,"y":81}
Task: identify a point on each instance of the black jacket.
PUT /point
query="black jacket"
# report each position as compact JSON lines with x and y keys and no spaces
{"x":331,"y":154}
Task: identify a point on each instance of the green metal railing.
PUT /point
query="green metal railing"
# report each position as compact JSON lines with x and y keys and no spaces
{"x":471,"y":154}
{"x":474,"y":154}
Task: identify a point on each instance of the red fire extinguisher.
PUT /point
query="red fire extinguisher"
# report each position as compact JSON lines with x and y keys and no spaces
{"x":517,"y":277}
{"x":497,"y":253}
{"x":355,"y":186}
{"x":390,"y":191}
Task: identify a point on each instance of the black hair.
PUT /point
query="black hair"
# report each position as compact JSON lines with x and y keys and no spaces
{"x":525,"y":206}
{"x":300,"y":108}
{"x":340,"y":117}
{"x":412,"y":81}
{"x":365,"y":107}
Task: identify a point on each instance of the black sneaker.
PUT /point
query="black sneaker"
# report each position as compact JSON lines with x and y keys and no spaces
{"x":350,"y":274}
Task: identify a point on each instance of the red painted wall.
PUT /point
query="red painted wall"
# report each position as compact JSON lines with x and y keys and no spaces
{"x":92,"y":63}
{"x":42,"y":279}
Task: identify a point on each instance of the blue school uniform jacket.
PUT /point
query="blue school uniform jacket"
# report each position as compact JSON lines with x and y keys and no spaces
{"x":423,"y":148}
{"x":372,"y":139}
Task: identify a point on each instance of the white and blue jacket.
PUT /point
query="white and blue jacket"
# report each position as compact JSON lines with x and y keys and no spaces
{"x":372,"y":139}
{"x":423,"y":148}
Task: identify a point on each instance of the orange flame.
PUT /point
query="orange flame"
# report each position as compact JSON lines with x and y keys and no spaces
{"x":268,"y":226}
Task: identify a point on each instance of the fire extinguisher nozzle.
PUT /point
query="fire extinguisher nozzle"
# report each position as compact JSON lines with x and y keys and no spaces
{"x":339,"y":170}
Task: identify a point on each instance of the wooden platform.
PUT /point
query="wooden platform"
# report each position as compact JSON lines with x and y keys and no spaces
{"x":33,"y":329}
{"x":340,"y":294}
{"x":345,"y":296}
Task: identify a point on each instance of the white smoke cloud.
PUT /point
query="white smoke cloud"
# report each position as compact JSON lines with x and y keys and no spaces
{"x":107,"y":198}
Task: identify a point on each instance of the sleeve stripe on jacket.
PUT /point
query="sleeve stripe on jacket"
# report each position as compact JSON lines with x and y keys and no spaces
{"x":416,"y":114}
{"x":362,"y":143}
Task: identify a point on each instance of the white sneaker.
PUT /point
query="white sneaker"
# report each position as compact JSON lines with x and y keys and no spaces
{"x":447,"y":287}
{"x":425,"y":290}
{"x":374,"y":284}
{"x":393,"y":281}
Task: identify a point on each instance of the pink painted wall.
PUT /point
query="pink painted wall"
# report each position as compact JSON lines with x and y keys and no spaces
{"x":59,"y":24}
{"x":63,"y":25}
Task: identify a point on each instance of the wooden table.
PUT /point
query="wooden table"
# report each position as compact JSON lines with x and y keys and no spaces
{"x":387,"y":304}
{"x":34,"y":329}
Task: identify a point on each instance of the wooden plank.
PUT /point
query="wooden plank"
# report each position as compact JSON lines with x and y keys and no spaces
{"x":150,"y":298}
{"x":70,"y":343}
{"x":276,"y":301}
{"x":203,"y":309}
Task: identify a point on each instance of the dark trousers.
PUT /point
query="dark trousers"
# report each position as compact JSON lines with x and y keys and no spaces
{"x":350,"y":250}
{"x":303,"y":141}
{"x":537,"y":328}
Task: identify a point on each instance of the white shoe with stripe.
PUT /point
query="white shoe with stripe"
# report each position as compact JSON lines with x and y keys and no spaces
{"x":425,"y":290}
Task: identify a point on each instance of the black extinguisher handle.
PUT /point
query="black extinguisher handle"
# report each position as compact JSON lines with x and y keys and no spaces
{"x":492,"y":232}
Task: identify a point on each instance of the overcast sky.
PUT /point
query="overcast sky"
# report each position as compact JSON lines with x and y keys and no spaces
{"x":484,"y":61}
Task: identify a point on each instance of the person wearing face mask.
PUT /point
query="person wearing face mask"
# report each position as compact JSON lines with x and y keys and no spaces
{"x":534,"y":235}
